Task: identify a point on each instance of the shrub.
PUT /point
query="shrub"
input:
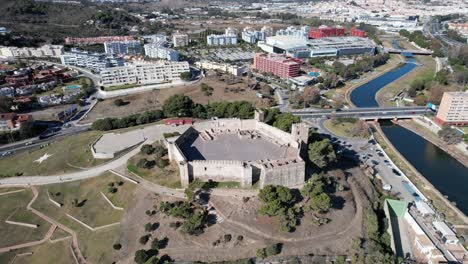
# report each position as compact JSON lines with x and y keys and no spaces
{"x":144,"y":239}
{"x":147,"y":149}
{"x":119,"y":102}
{"x":227,"y":238}
{"x":117,"y":246}
{"x":162,"y":163}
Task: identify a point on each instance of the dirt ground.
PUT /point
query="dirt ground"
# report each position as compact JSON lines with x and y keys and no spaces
{"x":145,"y":101}
{"x":48,"y":114}
{"x":240,"y":218}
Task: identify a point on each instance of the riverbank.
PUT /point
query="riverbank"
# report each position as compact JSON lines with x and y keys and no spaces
{"x":424,"y":71}
{"x":423,"y":132}
{"x":441,"y":203}
{"x":392,"y":64}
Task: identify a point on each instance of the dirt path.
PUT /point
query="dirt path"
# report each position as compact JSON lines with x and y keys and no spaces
{"x":75,"y":248}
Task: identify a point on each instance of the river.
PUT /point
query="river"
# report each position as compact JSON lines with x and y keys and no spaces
{"x":447,"y":174}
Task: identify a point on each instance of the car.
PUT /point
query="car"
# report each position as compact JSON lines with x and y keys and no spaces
{"x":375,"y":162}
{"x":28,"y":143}
{"x":380,"y":154}
{"x":397,"y":173}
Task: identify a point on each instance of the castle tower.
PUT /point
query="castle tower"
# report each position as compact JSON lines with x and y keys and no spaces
{"x":300,"y":132}
{"x":259,"y":115}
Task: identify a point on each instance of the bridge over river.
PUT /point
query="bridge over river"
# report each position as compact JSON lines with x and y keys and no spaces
{"x":366,"y":113}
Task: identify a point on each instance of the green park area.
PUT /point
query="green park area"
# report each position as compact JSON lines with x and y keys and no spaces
{"x":152,"y":164}
{"x":70,"y":154}
{"x":48,"y":252}
{"x":347,"y":127}
{"x":15,"y":210}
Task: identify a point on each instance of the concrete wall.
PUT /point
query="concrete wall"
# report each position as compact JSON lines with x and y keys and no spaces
{"x":279,"y":135}
{"x":100,"y":155}
{"x":291,"y":174}
{"x":222,"y":170}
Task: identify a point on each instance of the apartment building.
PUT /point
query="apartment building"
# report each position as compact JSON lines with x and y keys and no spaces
{"x":231,"y":69}
{"x":453,"y":109}
{"x":123,"y":47}
{"x":155,"y":50}
{"x":220,"y":40}
{"x":155,"y":38}
{"x":144,"y":73}
{"x":97,"y":40}
{"x":293,"y":32}
{"x":12,"y":121}
{"x":43,"y":51}
{"x":277,"y":64}
{"x":251,"y":35}
{"x":180,"y":40}
{"x":95,"y":62}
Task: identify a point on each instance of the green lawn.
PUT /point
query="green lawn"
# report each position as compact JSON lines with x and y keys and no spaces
{"x":14,"y":206}
{"x":96,"y":246}
{"x":342,"y":129}
{"x":69,"y":154}
{"x":58,"y":252}
{"x":168,"y":176}
{"x":120,"y":87}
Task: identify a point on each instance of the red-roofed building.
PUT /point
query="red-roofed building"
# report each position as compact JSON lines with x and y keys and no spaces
{"x":326,"y":31}
{"x":356,"y":32}
{"x":178,"y":121}
{"x":277,"y":64}
{"x":12,"y":121}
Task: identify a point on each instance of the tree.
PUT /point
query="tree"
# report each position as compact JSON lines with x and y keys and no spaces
{"x":5,"y":104}
{"x":320,"y":202}
{"x":117,"y":246}
{"x":311,"y":96}
{"x":360,"y":129}
{"x":435,"y":93}
{"x":442,"y":77}
{"x":195,"y":223}
{"x":321,"y":153}
{"x":147,"y":149}
{"x":178,"y":105}
{"x":144,"y":239}
{"x":141,"y":256}
{"x":206,"y":89}
{"x":186,"y":76}
{"x":119,"y":102}
{"x":284,"y":121}
{"x":274,"y":199}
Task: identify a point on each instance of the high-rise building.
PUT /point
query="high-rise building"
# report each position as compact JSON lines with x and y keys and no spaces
{"x":326,"y":31}
{"x":277,"y":64}
{"x":144,"y":73}
{"x":161,"y":52}
{"x":95,"y":62}
{"x":453,"y":109}
{"x":123,"y":47}
{"x":180,"y":40}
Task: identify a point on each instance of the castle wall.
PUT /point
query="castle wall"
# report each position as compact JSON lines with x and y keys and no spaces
{"x":221,"y":170}
{"x":291,"y":174}
{"x":277,"y":134}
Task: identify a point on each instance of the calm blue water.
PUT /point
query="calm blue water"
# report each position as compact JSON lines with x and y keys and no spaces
{"x":364,"y":95}
{"x":448,"y":175}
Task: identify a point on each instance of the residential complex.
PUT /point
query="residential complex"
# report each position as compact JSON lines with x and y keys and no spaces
{"x":95,"y":62}
{"x":97,"y":40}
{"x":231,"y":69}
{"x":219,"y":40}
{"x":180,"y":40}
{"x":144,"y":73}
{"x":277,"y":64}
{"x":123,"y":47}
{"x":250,"y":35}
{"x":156,"y":38}
{"x":155,"y":50}
{"x":43,"y":51}
{"x":12,"y":121}
{"x":293,"y":32}
{"x":453,"y":109}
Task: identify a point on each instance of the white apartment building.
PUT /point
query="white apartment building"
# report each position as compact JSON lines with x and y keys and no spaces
{"x":155,"y":50}
{"x":123,"y":47}
{"x":156,"y":38}
{"x":43,"y":51}
{"x":220,"y":40}
{"x":180,"y":40}
{"x":95,"y":62}
{"x":231,"y":69}
{"x":251,"y":35}
{"x":293,"y":32}
{"x":144,"y":73}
